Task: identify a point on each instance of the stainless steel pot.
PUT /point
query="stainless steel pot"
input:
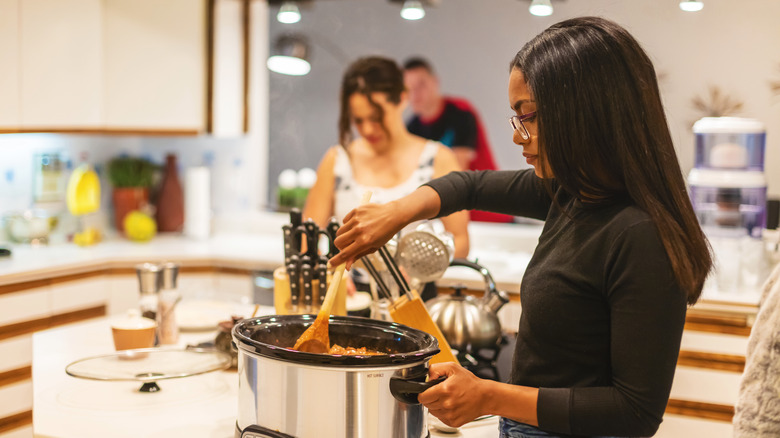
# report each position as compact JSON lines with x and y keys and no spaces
{"x":287,"y":393}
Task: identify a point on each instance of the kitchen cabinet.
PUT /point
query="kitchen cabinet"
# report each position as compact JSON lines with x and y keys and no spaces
{"x":60,"y":51}
{"x":9,"y":58}
{"x":125,"y":66}
{"x":154,"y":64}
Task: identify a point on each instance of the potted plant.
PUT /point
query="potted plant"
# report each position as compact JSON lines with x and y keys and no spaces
{"x":131,"y":178}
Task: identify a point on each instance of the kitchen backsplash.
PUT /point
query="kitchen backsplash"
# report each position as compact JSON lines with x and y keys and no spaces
{"x":235,"y":170}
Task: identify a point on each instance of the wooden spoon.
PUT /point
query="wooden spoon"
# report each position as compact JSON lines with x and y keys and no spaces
{"x":315,"y":339}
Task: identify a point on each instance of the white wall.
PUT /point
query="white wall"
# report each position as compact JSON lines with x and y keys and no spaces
{"x":734,"y":45}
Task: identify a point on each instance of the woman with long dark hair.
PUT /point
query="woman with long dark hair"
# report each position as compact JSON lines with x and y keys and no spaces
{"x":620,"y":258}
{"x":384,"y":157}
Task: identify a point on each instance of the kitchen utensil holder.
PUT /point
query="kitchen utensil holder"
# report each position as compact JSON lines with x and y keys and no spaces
{"x":283,"y":303}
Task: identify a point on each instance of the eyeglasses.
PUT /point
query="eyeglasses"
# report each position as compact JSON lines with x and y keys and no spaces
{"x":519,"y":126}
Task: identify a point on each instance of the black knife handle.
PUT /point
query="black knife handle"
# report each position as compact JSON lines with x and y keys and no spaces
{"x":296,"y":217}
{"x":296,"y":220}
{"x":322,"y":272}
{"x":287,"y":230}
{"x":299,"y":236}
{"x":307,"y":286}
{"x":332,"y":228}
{"x":312,"y":237}
{"x":295,"y":282}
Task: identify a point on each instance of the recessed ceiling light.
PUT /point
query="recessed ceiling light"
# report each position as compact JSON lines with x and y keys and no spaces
{"x":691,"y":5}
{"x":288,"y":13}
{"x":289,"y":56}
{"x":412,"y":10}
{"x":541,"y":8}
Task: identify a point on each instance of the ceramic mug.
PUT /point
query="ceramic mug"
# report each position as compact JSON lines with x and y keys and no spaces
{"x":133,"y":331}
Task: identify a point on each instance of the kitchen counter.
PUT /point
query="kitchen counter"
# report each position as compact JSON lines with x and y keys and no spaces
{"x":503,"y":249}
{"x":198,"y":406}
{"x":255,"y":243}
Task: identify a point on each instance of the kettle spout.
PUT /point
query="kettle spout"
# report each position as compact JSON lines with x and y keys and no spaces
{"x":496,"y":299}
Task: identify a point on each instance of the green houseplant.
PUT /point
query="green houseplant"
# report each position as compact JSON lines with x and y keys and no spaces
{"x":131,"y":178}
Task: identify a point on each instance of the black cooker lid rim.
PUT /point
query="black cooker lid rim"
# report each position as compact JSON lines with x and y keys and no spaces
{"x":425,"y":345}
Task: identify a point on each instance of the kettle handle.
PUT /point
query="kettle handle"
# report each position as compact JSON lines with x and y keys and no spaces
{"x":490,"y":285}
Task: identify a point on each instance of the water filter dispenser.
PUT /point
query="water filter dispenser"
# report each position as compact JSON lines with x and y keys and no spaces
{"x":728,"y":191}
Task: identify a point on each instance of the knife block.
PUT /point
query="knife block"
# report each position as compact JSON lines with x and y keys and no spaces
{"x":283,"y":304}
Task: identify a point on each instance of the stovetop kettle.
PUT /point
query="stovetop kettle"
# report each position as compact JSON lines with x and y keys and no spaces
{"x":469,"y":323}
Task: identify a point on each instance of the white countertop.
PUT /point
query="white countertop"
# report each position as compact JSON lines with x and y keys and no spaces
{"x":199,"y":406}
{"x":504,"y":249}
{"x":255,"y":242}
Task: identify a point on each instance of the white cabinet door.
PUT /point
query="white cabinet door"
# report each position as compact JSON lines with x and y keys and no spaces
{"x":61,"y":69}
{"x":9,"y":59}
{"x":154,"y":64}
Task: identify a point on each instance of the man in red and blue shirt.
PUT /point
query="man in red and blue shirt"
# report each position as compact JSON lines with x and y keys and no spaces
{"x":450,"y":121}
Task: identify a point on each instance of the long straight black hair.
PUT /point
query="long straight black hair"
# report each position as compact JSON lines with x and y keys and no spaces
{"x":604,"y":134}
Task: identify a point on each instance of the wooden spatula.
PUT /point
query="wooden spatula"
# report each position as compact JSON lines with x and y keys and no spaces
{"x":315,"y":339}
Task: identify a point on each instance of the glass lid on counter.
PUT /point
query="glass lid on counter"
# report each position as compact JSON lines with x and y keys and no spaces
{"x":148,"y":365}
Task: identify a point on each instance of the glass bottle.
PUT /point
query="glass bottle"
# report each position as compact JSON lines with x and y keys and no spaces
{"x":169,"y":297}
{"x":149,"y":282}
{"x":170,"y":204}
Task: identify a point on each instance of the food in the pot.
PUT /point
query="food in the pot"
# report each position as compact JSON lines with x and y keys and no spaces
{"x":352,"y":351}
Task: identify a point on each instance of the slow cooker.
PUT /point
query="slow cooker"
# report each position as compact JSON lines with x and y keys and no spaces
{"x":288,"y":393}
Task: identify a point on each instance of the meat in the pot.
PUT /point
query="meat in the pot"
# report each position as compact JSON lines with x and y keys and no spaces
{"x":352,"y":351}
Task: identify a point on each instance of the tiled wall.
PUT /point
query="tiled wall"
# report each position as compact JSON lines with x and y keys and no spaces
{"x":233,"y":162}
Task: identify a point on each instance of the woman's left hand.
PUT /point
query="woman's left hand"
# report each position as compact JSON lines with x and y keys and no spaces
{"x":457,"y":400}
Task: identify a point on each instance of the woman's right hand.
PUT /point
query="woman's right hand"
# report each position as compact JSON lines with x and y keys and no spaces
{"x":365,"y":230}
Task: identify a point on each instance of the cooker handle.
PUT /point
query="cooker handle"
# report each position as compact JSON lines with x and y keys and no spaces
{"x":406,"y":390}
{"x":255,"y":431}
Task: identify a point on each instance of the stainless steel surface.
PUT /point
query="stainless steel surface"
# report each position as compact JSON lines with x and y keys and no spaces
{"x":170,"y":273}
{"x":305,"y":401}
{"x":149,"y":278}
{"x":424,"y":253}
{"x":306,"y":395}
{"x":469,"y":323}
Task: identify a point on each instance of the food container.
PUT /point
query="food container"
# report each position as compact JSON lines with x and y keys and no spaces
{"x":731,"y":143}
{"x":287,"y":393}
{"x":29,"y":226}
{"x":727,"y":184}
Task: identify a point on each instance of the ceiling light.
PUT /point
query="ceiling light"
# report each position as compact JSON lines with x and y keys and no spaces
{"x":691,"y":5}
{"x":288,"y":13}
{"x":412,"y":10}
{"x":289,"y":56}
{"x":541,"y":8}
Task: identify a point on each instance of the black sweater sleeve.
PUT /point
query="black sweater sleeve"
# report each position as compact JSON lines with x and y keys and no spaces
{"x":518,"y":193}
{"x":647,"y":314}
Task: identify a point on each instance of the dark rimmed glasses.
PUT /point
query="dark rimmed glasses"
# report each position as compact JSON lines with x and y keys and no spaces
{"x":519,"y":126}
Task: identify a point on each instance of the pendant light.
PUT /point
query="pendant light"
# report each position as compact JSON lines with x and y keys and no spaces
{"x":412,"y":10}
{"x":288,"y":13}
{"x":289,"y":56}
{"x":691,"y":5}
{"x":541,"y":8}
